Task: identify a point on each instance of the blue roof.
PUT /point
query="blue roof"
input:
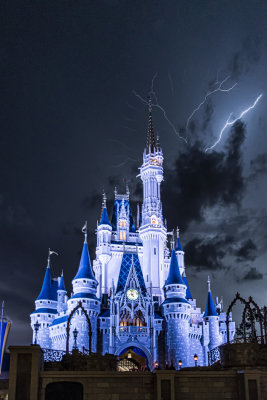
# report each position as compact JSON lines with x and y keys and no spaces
{"x":116,"y":209}
{"x":188,"y":293}
{"x":104,"y":314}
{"x":175,"y":300}
{"x":54,"y":288}
{"x":84,"y":295}
{"x":178,"y":245}
{"x":104,"y":218}
{"x":174,"y":276}
{"x":126,"y":264}
{"x":46,"y":291}
{"x":60,"y":320}
{"x":45,"y":311}
{"x":62,"y":284}
{"x":85,"y":269}
{"x":157,"y":316}
{"x":210,"y":309}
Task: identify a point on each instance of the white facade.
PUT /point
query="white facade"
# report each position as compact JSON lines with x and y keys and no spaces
{"x":136,"y":295}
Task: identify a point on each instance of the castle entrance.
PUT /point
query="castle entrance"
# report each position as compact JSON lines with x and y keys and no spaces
{"x":132,"y":359}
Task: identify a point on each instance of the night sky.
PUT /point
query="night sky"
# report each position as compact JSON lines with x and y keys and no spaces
{"x":71,"y":125}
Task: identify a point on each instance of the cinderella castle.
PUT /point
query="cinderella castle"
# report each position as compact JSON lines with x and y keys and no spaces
{"x":134,"y":300}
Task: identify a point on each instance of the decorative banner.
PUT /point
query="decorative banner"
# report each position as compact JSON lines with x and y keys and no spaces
{"x":5,"y":328}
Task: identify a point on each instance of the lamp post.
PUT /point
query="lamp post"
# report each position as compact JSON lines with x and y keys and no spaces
{"x":36,"y":329}
{"x":75,"y":334}
{"x":180,"y":364}
{"x":195,"y":358}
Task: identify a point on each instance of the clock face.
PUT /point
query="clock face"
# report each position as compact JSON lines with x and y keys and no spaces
{"x":132,"y":294}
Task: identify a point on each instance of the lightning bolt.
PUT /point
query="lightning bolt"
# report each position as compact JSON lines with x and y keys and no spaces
{"x":155,"y":103}
{"x":208,"y":94}
{"x":231,"y":122}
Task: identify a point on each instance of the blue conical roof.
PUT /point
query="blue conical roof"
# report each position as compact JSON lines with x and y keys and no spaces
{"x":85,"y":269}
{"x":104,"y":217}
{"x":174,"y":276}
{"x":188,"y":292}
{"x":62,"y":283}
{"x":210,"y":308}
{"x":178,"y":245}
{"x":46,"y":292}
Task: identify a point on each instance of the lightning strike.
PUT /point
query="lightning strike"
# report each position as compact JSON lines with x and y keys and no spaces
{"x":155,"y":103}
{"x":230,"y":122}
{"x":208,"y":94}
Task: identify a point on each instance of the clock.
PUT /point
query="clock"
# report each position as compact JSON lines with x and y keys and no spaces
{"x":132,"y":294}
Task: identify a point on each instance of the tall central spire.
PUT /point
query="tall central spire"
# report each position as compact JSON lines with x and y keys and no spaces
{"x":151,"y":142}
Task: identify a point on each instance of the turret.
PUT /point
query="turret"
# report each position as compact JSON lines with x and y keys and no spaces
{"x":176,"y":310}
{"x":152,"y":230}
{"x":212,"y":317}
{"x":103,"y":252}
{"x":61,"y":294}
{"x":84,"y":291}
{"x":179,"y":252}
{"x":45,"y":308}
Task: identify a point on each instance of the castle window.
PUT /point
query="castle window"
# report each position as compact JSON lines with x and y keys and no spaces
{"x":155,"y":251}
{"x":49,"y":316}
{"x":123,"y":223}
{"x":122,"y":235}
{"x":84,"y":281}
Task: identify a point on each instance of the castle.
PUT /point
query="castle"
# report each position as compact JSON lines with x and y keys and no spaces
{"x":136,"y":296}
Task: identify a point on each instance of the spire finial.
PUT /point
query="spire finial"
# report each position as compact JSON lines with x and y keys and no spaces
{"x":62,"y":272}
{"x":177,"y":232}
{"x":172,"y":240}
{"x":104,"y":200}
{"x":50,"y":252}
{"x":208,"y":282}
{"x":84,"y":230}
{"x":115,"y":192}
{"x":151,"y":143}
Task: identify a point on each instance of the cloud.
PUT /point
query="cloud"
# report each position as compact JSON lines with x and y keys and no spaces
{"x":244,"y":58}
{"x":204,"y":254}
{"x":247,"y":251}
{"x":200,"y":180}
{"x":258,"y":166}
{"x":252,"y":275}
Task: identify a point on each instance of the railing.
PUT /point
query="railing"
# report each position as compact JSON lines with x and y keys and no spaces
{"x":133,"y":329}
{"x":53,"y":355}
{"x":214,"y":355}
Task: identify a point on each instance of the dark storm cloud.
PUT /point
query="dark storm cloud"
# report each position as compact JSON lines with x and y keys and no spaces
{"x":248,"y":55}
{"x":246,"y":251}
{"x":252,"y":275}
{"x":258,"y":166}
{"x":200,"y":180}
{"x":204,"y":254}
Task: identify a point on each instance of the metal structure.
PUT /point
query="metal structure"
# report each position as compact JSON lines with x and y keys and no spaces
{"x":88,"y":323}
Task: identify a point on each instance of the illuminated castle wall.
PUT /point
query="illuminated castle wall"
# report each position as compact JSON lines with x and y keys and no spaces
{"x":137,"y":294}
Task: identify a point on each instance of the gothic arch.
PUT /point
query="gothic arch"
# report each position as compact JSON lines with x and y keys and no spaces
{"x":243,"y":301}
{"x":261,"y":317}
{"x":79,"y":305}
{"x":252,"y":320}
{"x":126,"y":345}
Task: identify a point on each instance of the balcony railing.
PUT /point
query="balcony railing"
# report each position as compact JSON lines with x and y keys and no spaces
{"x":133,"y":330}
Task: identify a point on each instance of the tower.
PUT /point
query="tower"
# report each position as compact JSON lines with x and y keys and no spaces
{"x":152,"y":230}
{"x":61,"y":294}
{"x":212,"y":318}
{"x":103,"y":252}
{"x":84,"y":292}
{"x":45,"y":308}
{"x":176,"y":310}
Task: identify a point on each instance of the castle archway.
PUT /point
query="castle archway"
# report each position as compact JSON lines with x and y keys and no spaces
{"x":138,"y":353}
